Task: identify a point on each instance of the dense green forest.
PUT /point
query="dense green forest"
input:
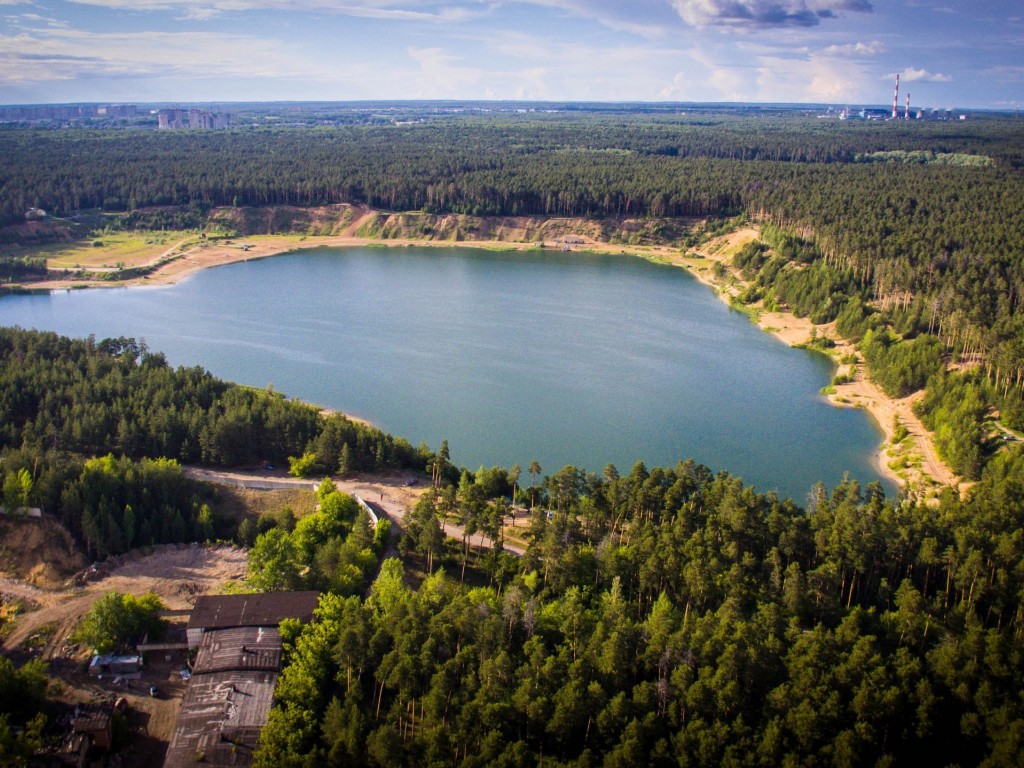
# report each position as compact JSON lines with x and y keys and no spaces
{"x":675,"y":617}
{"x":95,"y":432}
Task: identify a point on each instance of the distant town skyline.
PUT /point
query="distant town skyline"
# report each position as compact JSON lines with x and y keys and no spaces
{"x":953,"y":54}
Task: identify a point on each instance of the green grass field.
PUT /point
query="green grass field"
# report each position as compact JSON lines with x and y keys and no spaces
{"x":127,"y":249}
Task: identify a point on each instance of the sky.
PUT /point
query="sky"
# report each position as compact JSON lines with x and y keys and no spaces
{"x":953,"y":54}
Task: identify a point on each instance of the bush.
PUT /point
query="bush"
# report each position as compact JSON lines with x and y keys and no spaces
{"x":117,"y":620}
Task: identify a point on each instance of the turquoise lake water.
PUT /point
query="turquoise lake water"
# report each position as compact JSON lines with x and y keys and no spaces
{"x":563,"y":358}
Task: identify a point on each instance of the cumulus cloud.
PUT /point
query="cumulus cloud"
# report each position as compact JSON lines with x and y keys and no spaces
{"x":911,"y":75}
{"x":764,"y":13}
{"x":855,"y":49}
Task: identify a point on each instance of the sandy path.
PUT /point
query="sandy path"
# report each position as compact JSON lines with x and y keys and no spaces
{"x":364,"y":214}
{"x":864,"y":393}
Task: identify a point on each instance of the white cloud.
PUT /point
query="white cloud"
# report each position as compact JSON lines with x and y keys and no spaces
{"x":649,"y":18}
{"x":764,"y":13}
{"x":1006,"y":73}
{"x":911,"y":75}
{"x":813,"y":79}
{"x":28,"y":21}
{"x":855,"y":49}
{"x":716,"y":75}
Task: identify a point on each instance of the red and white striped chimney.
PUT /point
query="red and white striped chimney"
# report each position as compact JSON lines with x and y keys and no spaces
{"x":896,"y":98}
{"x":906,"y":114}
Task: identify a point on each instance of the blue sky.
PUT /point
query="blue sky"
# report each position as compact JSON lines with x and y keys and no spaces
{"x":949,"y":54}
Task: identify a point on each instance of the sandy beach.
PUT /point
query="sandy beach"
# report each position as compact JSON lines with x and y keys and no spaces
{"x":913,"y":464}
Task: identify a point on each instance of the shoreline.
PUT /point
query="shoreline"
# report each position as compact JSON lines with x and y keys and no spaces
{"x":912,"y":465}
{"x":198,"y":258}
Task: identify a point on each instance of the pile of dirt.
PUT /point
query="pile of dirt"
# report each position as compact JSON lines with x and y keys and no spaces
{"x":38,"y":550}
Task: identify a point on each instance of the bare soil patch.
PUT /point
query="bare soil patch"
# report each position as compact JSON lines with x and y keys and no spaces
{"x":177,"y":574}
{"x":37,"y":550}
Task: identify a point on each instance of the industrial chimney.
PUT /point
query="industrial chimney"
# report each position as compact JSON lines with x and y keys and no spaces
{"x":896,"y":98}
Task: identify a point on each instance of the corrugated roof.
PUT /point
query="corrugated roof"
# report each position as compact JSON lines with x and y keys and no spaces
{"x":220,"y":719}
{"x":244,"y":648}
{"x":266,"y":609}
{"x":92,"y":717}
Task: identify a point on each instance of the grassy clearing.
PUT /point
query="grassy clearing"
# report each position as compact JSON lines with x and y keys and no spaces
{"x":238,"y":503}
{"x":127,"y":249}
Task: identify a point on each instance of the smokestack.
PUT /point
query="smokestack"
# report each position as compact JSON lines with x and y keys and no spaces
{"x":906,"y":115}
{"x":896,"y":98}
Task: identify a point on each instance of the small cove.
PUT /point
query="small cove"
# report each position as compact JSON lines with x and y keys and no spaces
{"x":564,"y":358}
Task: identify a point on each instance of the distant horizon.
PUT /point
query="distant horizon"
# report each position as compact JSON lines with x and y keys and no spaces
{"x":597,"y":103}
{"x":954,"y":53}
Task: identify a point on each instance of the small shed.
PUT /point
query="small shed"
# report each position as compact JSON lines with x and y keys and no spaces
{"x":94,"y":721}
{"x":109,"y":664}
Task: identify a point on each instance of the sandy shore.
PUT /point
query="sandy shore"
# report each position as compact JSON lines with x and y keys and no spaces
{"x":912,"y":464}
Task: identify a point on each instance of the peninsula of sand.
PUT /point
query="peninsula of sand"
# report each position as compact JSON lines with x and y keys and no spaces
{"x":912,"y":462}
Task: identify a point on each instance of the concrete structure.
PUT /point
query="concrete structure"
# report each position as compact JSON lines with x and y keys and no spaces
{"x":94,"y":720}
{"x":62,"y":112}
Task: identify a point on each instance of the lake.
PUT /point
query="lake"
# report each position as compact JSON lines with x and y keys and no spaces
{"x":512,"y":357}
